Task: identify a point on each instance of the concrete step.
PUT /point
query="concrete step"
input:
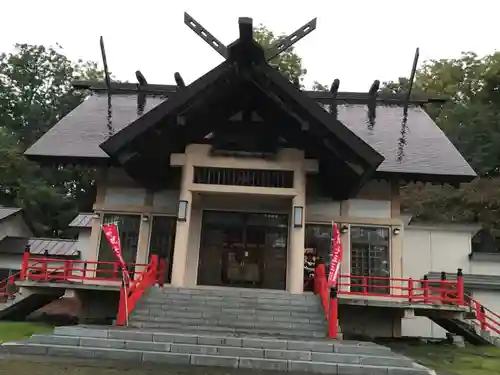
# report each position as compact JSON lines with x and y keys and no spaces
{"x":241,"y":314}
{"x":321,"y":345}
{"x":150,"y":302}
{"x":148,"y":356}
{"x":234,"y":292}
{"x":224,"y":350}
{"x":224,"y":321}
{"x":239,"y":330}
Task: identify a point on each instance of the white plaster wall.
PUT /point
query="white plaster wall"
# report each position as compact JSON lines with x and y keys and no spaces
{"x":367,"y":208}
{"x":124,"y":196}
{"x":491,"y":299}
{"x":320,"y":209}
{"x":485,"y":268}
{"x":166,"y":202}
{"x":10,"y":261}
{"x":84,"y":243}
{"x":426,"y":250}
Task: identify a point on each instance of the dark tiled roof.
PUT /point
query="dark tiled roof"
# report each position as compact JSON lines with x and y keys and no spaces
{"x":426,"y":149}
{"x":55,"y":247}
{"x":79,"y":134}
{"x":5,"y":212}
{"x":82,"y":220}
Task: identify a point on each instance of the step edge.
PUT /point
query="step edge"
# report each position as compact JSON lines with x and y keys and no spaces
{"x":92,"y":348}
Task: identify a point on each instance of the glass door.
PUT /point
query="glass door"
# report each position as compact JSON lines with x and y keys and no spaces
{"x":243,"y":250}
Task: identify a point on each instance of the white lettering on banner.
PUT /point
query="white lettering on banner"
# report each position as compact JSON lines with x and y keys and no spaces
{"x":336,"y":256}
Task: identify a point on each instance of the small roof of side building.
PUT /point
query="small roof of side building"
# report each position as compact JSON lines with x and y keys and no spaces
{"x":38,"y":246}
{"x":82,"y":220}
{"x":6,"y":212}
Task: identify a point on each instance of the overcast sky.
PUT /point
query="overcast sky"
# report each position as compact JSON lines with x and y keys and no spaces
{"x":356,"y":41}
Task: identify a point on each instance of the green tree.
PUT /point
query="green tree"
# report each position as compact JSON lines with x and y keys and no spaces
{"x":287,"y":62}
{"x":35,"y":93}
{"x":471,"y":120}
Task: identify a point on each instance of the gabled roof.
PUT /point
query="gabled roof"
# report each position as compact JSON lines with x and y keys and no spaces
{"x":427,"y":154}
{"x":117,"y":124}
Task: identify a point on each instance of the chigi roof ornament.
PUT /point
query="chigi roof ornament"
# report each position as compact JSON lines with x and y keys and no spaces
{"x":246,"y":32}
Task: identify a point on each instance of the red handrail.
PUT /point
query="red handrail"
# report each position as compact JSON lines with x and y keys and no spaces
{"x":485,"y":319}
{"x":130,"y":295}
{"x":409,"y":289}
{"x":65,"y":270}
{"x":328,"y":299}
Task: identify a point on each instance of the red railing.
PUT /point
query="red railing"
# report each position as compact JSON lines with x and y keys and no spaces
{"x":7,"y":287}
{"x":406,"y":289}
{"x":71,"y":271}
{"x":484,"y":319}
{"x":443,"y":291}
{"x":131,"y":294}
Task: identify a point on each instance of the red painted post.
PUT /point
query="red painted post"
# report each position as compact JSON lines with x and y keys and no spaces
{"x":460,"y":288}
{"x":333,"y":314}
{"x":45,"y":272}
{"x":121,"y":316}
{"x":116,"y":266}
{"x":67,"y":269}
{"x":410,"y":290}
{"x":365,"y":285}
{"x":426,"y":289}
{"x":443,"y":287}
{"x":483,"y":318}
{"x":25,"y":263}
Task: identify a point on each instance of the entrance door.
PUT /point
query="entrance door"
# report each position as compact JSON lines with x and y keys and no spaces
{"x":370,"y":257}
{"x":243,"y":250}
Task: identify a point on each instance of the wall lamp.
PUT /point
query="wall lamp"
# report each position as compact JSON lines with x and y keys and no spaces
{"x":396,"y":231}
{"x":145,"y":218}
{"x":298,"y":216}
{"x":182,"y":211}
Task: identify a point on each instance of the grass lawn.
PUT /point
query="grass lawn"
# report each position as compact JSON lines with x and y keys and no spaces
{"x":448,"y":359}
{"x":12,"y":331}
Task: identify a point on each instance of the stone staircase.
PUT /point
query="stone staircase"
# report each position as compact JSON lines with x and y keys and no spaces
{"x":248,"y":329}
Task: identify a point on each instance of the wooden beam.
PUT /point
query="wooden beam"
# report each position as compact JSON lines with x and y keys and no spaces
{"x":107,"y":77}
{"x":324,"y":97}
{"x":211,"y":40}
{"x":285,"y":43}
{"x":140,"y":78}
{"x":410,"y":81}
{"x":246,"y":29}
{"x":179,"y":81}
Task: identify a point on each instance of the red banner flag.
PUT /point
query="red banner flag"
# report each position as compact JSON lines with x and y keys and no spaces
{"x":336,"y":256}
{"x":112,"y":236}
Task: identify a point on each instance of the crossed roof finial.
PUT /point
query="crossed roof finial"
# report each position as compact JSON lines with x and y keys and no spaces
{"x":280,"y":46}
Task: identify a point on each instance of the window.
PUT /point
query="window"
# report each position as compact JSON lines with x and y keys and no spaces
{"x":128,"y":229}
{"x":162,"y":240}
{"x":319,"y":236}
{"x":370,"y":257}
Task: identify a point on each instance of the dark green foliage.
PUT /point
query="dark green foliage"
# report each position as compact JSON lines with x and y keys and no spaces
{"x":35,"y":92}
